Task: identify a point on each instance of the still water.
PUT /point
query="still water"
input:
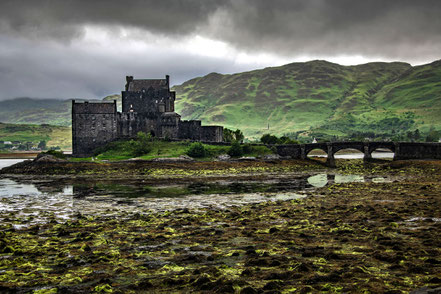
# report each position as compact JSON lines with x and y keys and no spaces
{"x":38,"y":200}
{"x":8,"y":162}
{"x":357,"y":155}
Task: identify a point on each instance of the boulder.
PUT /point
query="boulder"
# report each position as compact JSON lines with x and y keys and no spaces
{"x":224,"y":157}
{"x":271,"y":157}
{"x":247,"y":158}
{"x":47,"y":158}
{"x":181,"y":158}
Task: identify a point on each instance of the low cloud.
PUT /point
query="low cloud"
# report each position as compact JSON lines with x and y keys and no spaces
{"x":47,"y":50}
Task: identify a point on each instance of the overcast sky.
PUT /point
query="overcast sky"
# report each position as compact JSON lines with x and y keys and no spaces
{"x":85,"y":48}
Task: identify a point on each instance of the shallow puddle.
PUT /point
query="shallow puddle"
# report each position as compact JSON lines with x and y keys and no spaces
{"x":37,"y":201}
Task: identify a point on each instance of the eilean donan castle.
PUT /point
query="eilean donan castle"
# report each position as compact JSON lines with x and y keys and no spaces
{"x":147,"y":106}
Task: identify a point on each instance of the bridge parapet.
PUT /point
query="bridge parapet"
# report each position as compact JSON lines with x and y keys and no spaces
{"x":402,"y":150}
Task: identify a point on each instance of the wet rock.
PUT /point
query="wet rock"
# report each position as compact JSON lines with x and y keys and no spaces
{"x":272,"y":285}
{"x":433,"y":261}
{"x":257,"y":262}
{"x":426,"y":290}
{"x":202,"y":280}
{"x":152,"y":263}
{"x":48,"y":158}
{"x":251,"y":251}
{"x":435,"y":280}
{"x":303,"y":268}
{"x":247,"y":158}
{"x":248,"y":290}
{"x":246,"y":272}
{"x":271,"y":157}
{"x":182,"y":158}
{"x":143,"y":285}
{"x":224,"y":157}
{"x":278,"y":276}
{"x":273,"y":230}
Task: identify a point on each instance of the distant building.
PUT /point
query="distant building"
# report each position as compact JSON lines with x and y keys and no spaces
{"x":147,"y":106}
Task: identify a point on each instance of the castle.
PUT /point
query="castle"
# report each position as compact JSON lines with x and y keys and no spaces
{"x":147,"y":106}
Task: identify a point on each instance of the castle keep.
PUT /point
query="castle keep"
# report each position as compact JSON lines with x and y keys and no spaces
{"x":147,"y":106}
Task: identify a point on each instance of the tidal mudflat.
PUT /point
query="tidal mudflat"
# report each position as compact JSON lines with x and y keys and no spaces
{"x":371,"y":228}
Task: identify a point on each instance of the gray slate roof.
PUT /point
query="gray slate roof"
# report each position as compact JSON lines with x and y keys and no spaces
{"x":156,"y":84}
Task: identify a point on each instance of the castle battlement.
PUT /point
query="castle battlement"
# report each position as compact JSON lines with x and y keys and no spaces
{"x":148,"y":106}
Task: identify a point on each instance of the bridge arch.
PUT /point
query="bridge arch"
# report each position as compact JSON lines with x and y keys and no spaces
{"x":325,"y":152}
{"x":344,"y":151}
{"x":344,"y":146}
{"x":372,"y":147}
{"x":314,"y":146}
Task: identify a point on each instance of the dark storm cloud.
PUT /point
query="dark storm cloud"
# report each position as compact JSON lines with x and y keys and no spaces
{"x":402,"y":29}
{"x":50,"y":71}
{"x":63,"y":19}
{"x":397,"y":29}
{"x":38,"y":55}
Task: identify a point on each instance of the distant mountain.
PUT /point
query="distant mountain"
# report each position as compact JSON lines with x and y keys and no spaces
{"x":36,"y":111}
{"x":312,"y":98}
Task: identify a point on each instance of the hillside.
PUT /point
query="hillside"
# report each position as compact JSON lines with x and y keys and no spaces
{"x":53,"y":135}
{"x":306,"y":99}
{"x":36,"y":111}
{"x":314,"y":95}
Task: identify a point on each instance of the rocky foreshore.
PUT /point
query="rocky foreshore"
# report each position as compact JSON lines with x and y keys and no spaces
{"x":364,"y":237}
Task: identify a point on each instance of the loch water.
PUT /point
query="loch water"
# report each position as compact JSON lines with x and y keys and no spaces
{"x":42,"y":199}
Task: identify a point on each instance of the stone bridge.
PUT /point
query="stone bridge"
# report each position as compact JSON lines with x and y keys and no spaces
{"x":401,"y":150}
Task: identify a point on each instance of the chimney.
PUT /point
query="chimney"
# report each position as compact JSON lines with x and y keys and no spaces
{"x":167,"y":77}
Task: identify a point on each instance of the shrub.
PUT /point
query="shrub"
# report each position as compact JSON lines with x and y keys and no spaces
{"x":196,"y":150}
{"x":141,"y":146}
{"x":247,"y":148}
{"x":269,"y":139}
{"x":235,"y":150}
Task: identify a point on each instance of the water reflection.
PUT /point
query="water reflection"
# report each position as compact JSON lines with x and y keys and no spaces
{"x":9,"y":162}
{"x":39,"y":200}
{"x":356,"y":155}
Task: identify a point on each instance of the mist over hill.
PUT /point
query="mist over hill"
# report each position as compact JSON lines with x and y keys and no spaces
{"x":315,"y":98}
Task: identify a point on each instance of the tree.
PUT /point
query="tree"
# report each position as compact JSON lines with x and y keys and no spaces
{"x":433,"y":136}
{"x":235,"y":150}
{"x":269,"y":139}
{"x":141,"y":146}
{"x":42,"y":145}
{"x":238,"y":136}
{"x":196,"y":149}
{"x":228,"y":135}
{"x":417,"y":135}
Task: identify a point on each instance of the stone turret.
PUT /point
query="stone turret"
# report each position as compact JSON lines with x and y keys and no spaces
{"x":147,"y":106}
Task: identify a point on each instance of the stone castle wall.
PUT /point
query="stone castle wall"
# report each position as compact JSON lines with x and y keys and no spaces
{"x":93,"y":125}
{"x":147,"y":106}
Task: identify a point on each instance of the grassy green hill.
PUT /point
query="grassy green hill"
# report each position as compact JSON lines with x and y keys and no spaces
{"x":315,"y":97}
{"x":305,"y":99}
{"x":53,"y":135}
{"x":36,"y":111}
